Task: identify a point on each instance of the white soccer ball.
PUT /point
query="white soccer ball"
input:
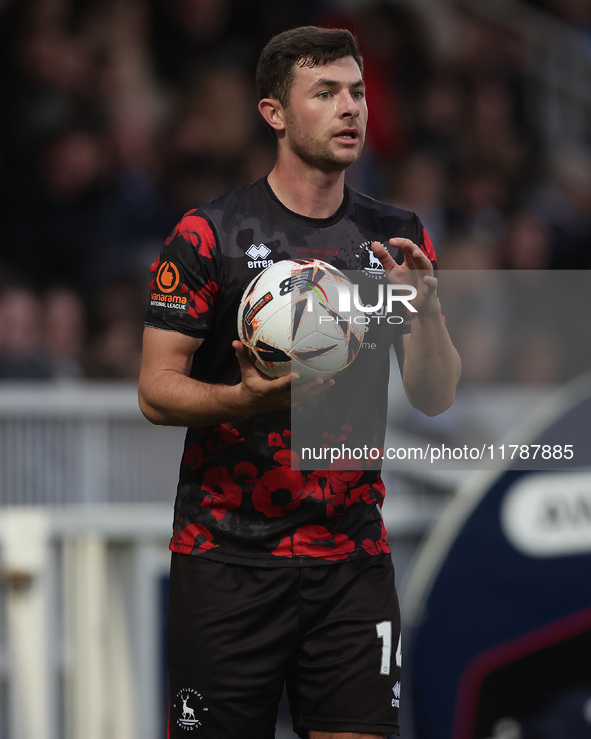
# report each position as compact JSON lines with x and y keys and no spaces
{"x":289,"y":320}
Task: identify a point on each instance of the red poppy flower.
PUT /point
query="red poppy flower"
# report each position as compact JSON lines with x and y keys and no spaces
{"x":202,"y":300}
{"x":193,"y":456}
{"x":428,"y":246}
{"x":380,"y":546}
{"x":247,"y":471}
{"x":317,"y":485}
{"x":223,"y":494}
{"x":197,"y":231}
{"x":276,"y":439}
{"x":364,"y":493}
{"x":375,"y":494}
{"x":287,"y":458}
{"x":194,"y":536}
{"x":315,"y":541}
{"x":341,"y":480}
{"x":333,"y":487}
{"x":278,"y":491}
{"x":228,"y":435}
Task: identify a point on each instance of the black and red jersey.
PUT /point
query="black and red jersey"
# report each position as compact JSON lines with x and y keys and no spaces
{"x":243,"y":493}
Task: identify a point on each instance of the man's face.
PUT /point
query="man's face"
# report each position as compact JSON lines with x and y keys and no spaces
{"x":326,"y":117}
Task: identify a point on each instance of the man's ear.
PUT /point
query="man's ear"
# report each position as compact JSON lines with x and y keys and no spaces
{"x":273,"y":113}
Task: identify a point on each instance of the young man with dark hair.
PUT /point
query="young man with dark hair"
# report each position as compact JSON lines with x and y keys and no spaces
{"x":281,"y":576}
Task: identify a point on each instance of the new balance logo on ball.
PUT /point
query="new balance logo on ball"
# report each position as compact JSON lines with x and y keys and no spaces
{"x":258,"y":255}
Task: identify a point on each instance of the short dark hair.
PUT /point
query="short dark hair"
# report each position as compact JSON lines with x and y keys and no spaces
{"x":306,"y":46}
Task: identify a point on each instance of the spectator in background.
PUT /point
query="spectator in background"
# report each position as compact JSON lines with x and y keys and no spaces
{"x":526,"y":244}
{"x":114,"y":347}
{"x":107,"y":139}
{"x":114,"y":352}
{"x":563,"y":201}
{"x":185,"y":34}
{"x":51,"y":80}
{"x":420,"y":186}
{"x":64,"y":332}
{"x":204,"y":148}
{"x":479,"y":197}
{"x":59,"y":228}
{"x":475,"y":306}
{"x":441,"y":119}
{"x":22,"y":356}
{"x":493,"y":136}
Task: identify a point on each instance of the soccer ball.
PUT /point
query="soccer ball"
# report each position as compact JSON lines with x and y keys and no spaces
{"x":289,"y":320}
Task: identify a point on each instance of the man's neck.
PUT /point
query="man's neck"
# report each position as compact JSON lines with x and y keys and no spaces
{"x":309,"y":193}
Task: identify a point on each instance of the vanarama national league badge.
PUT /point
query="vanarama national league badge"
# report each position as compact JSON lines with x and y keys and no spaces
{"x":169,"y":292}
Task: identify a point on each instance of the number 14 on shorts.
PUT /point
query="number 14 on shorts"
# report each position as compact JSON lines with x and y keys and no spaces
{"x":384,"y":632}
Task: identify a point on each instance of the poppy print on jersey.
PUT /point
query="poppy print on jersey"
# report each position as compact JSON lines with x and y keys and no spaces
{"x":275,"y":439}
{"x":203,"y":300}
{"x":193,"y":456}
{"x":228,"y":435}
{"x":222,"y":493}
{"x":224,"y":437}
{"x":197,"y":231}
{"x":312,"y":540}
{"x":194,"y":537}
{"x":246,"y":472}
{"x":278,"y":491}
{"x":337,"y":489}
{"x":375,"y":547}
{"x":428,"y":246}
{"x":287,"y":458}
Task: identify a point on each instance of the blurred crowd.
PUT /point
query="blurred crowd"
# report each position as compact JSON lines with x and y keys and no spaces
{"x":120,"y":115}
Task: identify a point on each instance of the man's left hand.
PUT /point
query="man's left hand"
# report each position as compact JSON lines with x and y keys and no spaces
{"x":416,"y":270}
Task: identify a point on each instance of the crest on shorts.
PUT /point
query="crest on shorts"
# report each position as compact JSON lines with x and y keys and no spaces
{"x":188,"y":709}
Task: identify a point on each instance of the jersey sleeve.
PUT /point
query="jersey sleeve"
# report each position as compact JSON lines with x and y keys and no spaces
{"x":424,"y":242}
{"x":185,"y":278}
{"x":422,"y":239}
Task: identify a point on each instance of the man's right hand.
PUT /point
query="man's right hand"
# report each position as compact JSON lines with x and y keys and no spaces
{"x":169,"y":396}
{"x":274,"y":393}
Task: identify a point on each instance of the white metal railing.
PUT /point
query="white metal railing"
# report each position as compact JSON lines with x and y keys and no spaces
{"x":82,"y":609}
{"x":82,"y":442}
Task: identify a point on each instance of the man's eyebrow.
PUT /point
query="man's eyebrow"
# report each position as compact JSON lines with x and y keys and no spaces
{"x":325,"y":82}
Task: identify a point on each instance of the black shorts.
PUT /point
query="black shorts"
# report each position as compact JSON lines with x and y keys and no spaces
{"x":237,"y":634}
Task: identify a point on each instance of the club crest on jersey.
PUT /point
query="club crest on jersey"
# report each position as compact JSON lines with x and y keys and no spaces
{"x":188,"y":708}
{"x":369,"y":263}
{"x":258,"y":256}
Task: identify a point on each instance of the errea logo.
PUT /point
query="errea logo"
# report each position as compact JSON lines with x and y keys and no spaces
{"x":258,"y":252}
{"x":258,"y":255}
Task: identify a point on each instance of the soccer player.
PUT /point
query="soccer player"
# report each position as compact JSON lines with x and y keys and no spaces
{"x":281,"y":576}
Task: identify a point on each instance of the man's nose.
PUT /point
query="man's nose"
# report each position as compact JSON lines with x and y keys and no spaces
{"x":348,"y":106}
